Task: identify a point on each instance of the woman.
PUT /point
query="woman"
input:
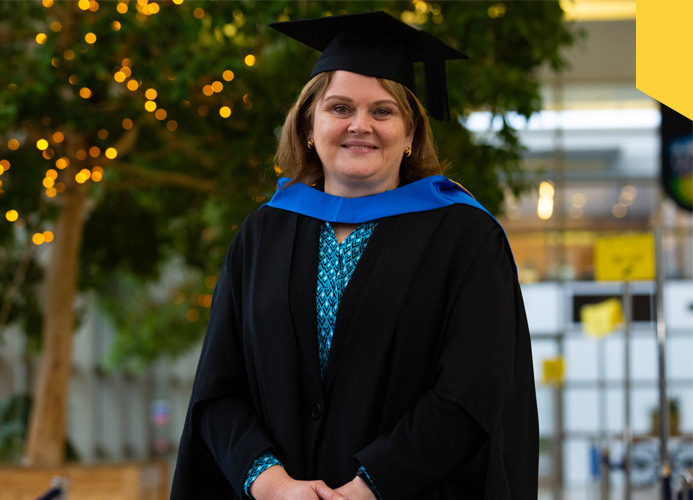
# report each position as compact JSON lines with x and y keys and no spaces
{"x":414,"y":381}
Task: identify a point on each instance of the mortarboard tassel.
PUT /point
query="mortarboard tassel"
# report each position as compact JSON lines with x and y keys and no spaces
{"x":436,"y":80}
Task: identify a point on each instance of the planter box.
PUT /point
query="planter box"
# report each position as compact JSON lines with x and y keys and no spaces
{"x":127,"y":481}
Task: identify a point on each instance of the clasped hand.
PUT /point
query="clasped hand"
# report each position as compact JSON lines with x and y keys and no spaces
{"x":275,"y":484}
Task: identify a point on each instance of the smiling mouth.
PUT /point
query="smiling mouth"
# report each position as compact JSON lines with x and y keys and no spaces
{"x":359,"y":147}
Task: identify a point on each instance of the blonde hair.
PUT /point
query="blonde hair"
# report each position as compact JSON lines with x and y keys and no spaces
{"x":294,"y":159}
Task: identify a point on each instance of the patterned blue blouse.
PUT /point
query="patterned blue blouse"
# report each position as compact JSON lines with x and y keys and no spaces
{"x":337,"y":263}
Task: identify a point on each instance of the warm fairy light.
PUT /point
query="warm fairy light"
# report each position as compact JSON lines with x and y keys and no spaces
{"x":48,"y":154}
{"x":230,"y":30}
{"x":81,"y":154}
{"x":55,"y":62}
{"x":85,"y":93}
{"x":122,"y":8}
{"x":62,"y":163}
{"x":150,"y":106}
{"x":133,"y":85}
{"x":42,"y":144}
{"x":199,"y":13}
{"x":111,"y":153}
{"x":51,"y":192}
{"x":546,"y":189}
{"x":277,"y":169}
{"x":210,"y":282}
{"x":93,"y":6}
{"x":96,"y":169}
{"x":90,"y":38}
{"x":52,"y":173}
{"x":228,"y":75}
{"x":119,"y":77}
{"x":126,"y":71}
{"x":497,"y":10}
{"x":13,"y":144}
{"x":250,"y":60}
{"x":38,"y":239}
{"x":178,"y":297}
{"x":85,"y":172}
{"x":48,"y":182}
{"x":545,"y":204}
{"x":58,"y":137}
{"x":207,"y":302}
{"x":160,"y":114}
{"x":102,"y":134}
{"x":11,"y":215}
{"x":69,"y":54}
{"x":127,"y":124}
{"x":127,"y":62}
{"x":5,"y":165}
{"x":217,"y":86}
{"x":150,"y":94}
{"x":115,"y":26}
{"x":192,"y":315}
{"x":41,"y":38}
{"x":56,"y":26}
{"x":172,"y":125}
{"x":96,"y":176}
{"x":225,"y":112}
{"x":74,"y":79}
{"x":178,"y":2}
{"x":94,"y":151}
{"x":48,"y":3}
{"x":48,"y":236}
{"x":83,"y":4}
{"x":207,"y":90}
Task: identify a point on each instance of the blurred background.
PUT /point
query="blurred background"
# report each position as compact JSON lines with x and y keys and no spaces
{"x":135,"y":137}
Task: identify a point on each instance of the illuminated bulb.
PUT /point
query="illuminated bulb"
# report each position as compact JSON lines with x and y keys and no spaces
{"x":13,"y":144}
{"x":51,"y":192}
{"x":228,"y":74}
{"x":546,"y":189}
{"x":58,"y":137}
{"x":80,"y":178}
{"x":171,"y":125}
{"x":150,"y":106}
{"x":150,"y":94}
{"x":94,"y":151}
{"x":122,"y":8}
{"x":85,"y":93}
{"x":250,"y":60}
{"x":48,"y":3}
{"x":207,"y":90}
{"x":225,"y":112}
{"x":160,"y":114}
{"x":84,"y":4}
{"x":111,"y":153}
{"x":11,"y":215}
{"x":42,"y":144}
{"x":199,"y":13}
{"x":115,"y":26}
{"x":48,"y":236}
{"x":86,"y":173}
{"x":133,"y":85}
{"x":178,"y":2}
{"x":69,"y":54}
{"x":90,"y":38}
{"x":38,"y":238}
{"x":127,"y":123}
{"x":96,"y":176}
{"x":119,"y":77}
{"x":545,"y":207}
{"x":41,"y":38}
{"x":61,"y":163}
{"x":53,"y":174}
{"x":217,"y":86}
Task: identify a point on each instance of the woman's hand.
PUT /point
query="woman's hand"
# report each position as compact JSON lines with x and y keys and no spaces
{"x":275,"y":484}
{"x":356,"y":489}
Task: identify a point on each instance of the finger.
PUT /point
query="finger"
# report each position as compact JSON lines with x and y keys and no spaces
{"x":327,"y":493}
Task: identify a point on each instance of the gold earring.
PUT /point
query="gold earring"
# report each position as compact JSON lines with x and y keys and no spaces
{"x":311,"y":143}
{"x":407,"y":151}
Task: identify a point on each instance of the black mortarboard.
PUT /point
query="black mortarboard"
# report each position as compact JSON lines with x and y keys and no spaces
{"x":377,"y":44}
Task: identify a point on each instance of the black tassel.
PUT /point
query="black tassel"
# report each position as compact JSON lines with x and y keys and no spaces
{"x":436,"y":80}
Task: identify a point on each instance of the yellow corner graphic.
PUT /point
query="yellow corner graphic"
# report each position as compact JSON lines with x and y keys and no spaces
{"x":663,"y":52}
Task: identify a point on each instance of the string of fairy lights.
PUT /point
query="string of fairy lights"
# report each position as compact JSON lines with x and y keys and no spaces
{"x":122,"y":75}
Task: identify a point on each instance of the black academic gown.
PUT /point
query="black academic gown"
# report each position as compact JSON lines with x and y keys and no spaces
{"x":431,"y":329}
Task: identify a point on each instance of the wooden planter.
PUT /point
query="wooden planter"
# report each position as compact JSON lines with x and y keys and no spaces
{"x":128,"y":481}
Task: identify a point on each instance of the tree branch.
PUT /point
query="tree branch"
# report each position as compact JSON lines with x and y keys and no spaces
{"x":152,"y":178}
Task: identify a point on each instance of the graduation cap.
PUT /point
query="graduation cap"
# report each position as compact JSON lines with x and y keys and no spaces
{"x":376,"y":44}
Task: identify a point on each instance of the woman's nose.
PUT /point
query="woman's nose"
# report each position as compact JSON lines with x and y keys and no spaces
{"x":360,"y":123}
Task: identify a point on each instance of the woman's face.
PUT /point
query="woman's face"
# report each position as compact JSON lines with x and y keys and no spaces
{"x":360,"y":136}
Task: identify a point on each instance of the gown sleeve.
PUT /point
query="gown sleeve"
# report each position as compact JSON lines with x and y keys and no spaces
{"x":473,"y":382}
{"x":223,"y":434}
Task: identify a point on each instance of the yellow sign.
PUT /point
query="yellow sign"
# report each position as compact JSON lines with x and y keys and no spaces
{"x":553,"y":371}
{"x":663,"y":52}
{"x":625,"y":258}
{"x":602,"y":318}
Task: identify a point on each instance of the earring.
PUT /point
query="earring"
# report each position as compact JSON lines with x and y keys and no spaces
{"x":407,"y":151}
{"x":311,"y":143}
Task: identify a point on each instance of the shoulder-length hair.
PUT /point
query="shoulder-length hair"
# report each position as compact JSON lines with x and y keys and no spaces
{"x":293,"y":158}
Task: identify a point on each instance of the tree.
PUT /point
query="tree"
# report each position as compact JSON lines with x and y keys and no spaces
{"x":138,"y":131}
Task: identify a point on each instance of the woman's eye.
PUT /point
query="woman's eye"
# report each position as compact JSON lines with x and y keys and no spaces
{"x":383,"y":112}
{"x":340,"y":109}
